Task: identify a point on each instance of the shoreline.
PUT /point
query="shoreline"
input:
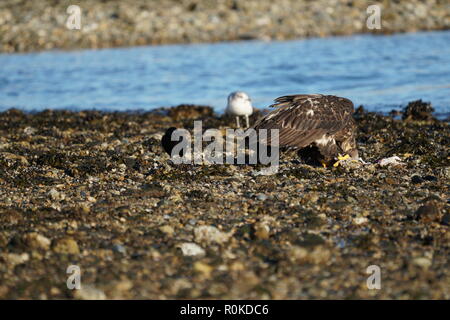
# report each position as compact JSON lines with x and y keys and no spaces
{"x":395,"y":113}
{"x":41,"y":25}
{"x":224,"y":42}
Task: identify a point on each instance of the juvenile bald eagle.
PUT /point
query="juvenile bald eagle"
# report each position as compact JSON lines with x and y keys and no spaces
{"x":322,"y":123}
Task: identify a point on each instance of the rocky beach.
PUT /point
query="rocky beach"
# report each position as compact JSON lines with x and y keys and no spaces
{"x":41,"y":25}
{"x":96,"y":190}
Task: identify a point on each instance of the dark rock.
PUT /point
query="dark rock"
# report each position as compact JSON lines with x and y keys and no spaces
{"x":446,"y":219}
{"x":418,"y":110}
{"x":430,"y":178}
{"x":429,"y":212}
{"x":416,"y":179}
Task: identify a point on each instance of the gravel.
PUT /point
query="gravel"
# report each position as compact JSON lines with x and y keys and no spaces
{"x":41,"y":25}
{"x":217,"y":231}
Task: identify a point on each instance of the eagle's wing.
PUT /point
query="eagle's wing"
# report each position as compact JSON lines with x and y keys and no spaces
{"x":303,"y":119}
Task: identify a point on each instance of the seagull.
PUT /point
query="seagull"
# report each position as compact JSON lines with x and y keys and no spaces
{"x":239,"y":104}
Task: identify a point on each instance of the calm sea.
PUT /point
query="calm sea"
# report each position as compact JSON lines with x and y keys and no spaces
{"x":379,"y":72}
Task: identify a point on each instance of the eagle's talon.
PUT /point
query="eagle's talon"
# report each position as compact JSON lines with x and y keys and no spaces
{"x":341,"y":158}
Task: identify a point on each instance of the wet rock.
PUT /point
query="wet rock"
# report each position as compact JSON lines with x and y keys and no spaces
{"x":430,"y":178}
{"x":416,"y":179}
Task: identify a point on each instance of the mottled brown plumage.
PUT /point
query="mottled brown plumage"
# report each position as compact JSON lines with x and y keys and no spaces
{"x":314,"y":120}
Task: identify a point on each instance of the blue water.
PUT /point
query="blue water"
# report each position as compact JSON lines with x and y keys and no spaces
{"x":379,"y":72}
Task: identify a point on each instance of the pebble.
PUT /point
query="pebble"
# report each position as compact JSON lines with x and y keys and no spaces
{"x":429,"y":212}
{"x":261,"y":197}
{"x":360,"y":220}
{"x":262,"y":231}
{"x":168,"y":230}
{"x":14,"y":157}
{"x":16,"y":259}
{"x":66,"y":246}
{"x":87,"y":292}
{"x":29,"y":131}
{"x":191,"y":249}
{"x":119,"y":249}
{"x":210,"y":234}
{"x":394,"y":160}
{"x":203,"y":268}
{"x":316,"y":255}
{"x":422,"y":262}
{"x":36,"y":241}
{"x":55,"y":195}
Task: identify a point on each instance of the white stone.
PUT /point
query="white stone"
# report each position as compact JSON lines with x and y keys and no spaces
{"x":390,"y":161}
{"x":210,"y":234}
{"x":191,"y":249}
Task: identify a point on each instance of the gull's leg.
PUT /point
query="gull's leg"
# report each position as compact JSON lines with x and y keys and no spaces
{"x":247,"y":122}
{"x":237,"y":122}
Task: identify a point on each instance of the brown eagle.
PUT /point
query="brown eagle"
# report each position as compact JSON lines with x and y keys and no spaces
{"x":316,"y":124}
